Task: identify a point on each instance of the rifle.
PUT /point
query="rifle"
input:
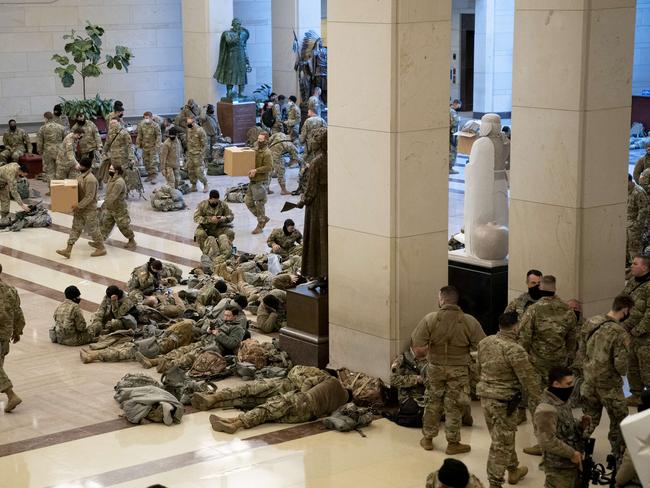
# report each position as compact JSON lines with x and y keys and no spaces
{"x":595,"y":473}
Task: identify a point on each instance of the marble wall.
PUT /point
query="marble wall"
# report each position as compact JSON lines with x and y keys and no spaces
{"x":641,"y":71}
{"x":30,"y":34}
{"x":256,"y":17}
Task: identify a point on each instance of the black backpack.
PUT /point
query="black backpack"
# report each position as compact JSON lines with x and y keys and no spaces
{"x":268,"y":119}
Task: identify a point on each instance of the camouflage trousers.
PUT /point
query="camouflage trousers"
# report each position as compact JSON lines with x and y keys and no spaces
{"x":9,"y":156}
{"x":502,"y":428}
{"x":195,"y":169}
{"x":5,"y":382}
{"x":453,"y":154}
{"x":49,"y":162}
{"x":177,"y":335}
{"x":255,"y":200}
{"x":77,"y":338}
{"x":561,"y":478}
{"x":638,"y":373}
{"x":151,"y":160}
{"x":218,"y":250}
{"x":278,"y":151}
{"x":5,"y":201}
{"x":86,"y":217}
{"x":593,"y":401}
{"x":183,"y":356}
{"x":248,"y":395}
{"x":173,"y":176}
{"x":447,"y":391}
{"x":119,"y":217}
{"x":65,"y":170}
{"x":204,"y":231}
{"x":209,"y":150}
{"x":634,"y":242}
{"x":115,"y":354}
{"x":289,"y":408}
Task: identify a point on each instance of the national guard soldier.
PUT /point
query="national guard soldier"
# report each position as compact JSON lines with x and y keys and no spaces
{"x":8,"y":175}
{"x":196,"y":145}
{"x":286,"y":241}
{"x":170,"y":158}
{"x":90,"y":140}
{"x":66,"y":158}
{"x":48,"y":141}
{"x":149,"y":139}
{"x":406,"y":374}
{"x":453,"y":474}
{"x":523,"y":301}
{"x":255,"y":198}
{"x":642,"y":163}
{"x":210,"y":125}
{"x":70,"y":327}
{"x":454,"y":122}
{"x":293,"y":118}
{"x":279,"y":145}
{"x":16,"y":143}
{"x":637,"y":217}
{"x":11,"y":328}
{"x":214,"y":218}
{"x":60,"y":118}
{"x":119,"y":144}
{"x":116,"y":212}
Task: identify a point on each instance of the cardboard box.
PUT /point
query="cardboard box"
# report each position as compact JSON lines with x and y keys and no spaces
{"x":465,"y":142}
{"x":238,"y":161}
{"x":64,"y":194}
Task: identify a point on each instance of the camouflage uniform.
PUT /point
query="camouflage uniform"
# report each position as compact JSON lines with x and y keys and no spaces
{"x":279,"y":145}
{"x":203,"y":215}
{"x":548,"y":334}
{"x":48,"y":140}
{"x":293,"y":121}
{"x":432,"y":481}
{"x":454,"y":121}
{"x":505,"y":375}
{"x":8,"y":189}
{"x":244,"y":396}
{"x":109,"y":315}
{"x":269,"y":319}
{"x":16,"y":144}
{"x":66,"y":160}
{"x":638,"y":325}
{"x":63,"y":121}
{"x":255,"y":198}
{"x":640,"y":166}
{"x":277,"y":113}
{"x":211,"y":127}
{"x":143,"y":282}
{"x":559,"y":436}
{"x":307,"y":128}
{"x":520,"y":304}
{"x":449,"y":334}
{"x":170,"y":162}
{"x":120,"y":147}
{"x":149,"y":139}
{"x":637,"y":220}
{"x":91,"y":140}
{"x":314,"y":105}
{"x":116,"y":210}
{"x":85,"y":215}
{"x":70,"y":327}
{"x":115,"y":116}
{"x":289,"y":244}
{"x":12,"y":323}
{"x":196,"y":145}
{"x":112,"y":354}
{"x":605,"y":362}
{"x":407,"y":375}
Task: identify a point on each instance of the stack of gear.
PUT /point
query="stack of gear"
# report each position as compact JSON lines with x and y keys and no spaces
{"x":37,"y":216}
{"x":236,"y":194}
{"x":143,"y":398}
{"x":349,"y":417}
{"x":22,"y":186}
{"x":167,"y":199}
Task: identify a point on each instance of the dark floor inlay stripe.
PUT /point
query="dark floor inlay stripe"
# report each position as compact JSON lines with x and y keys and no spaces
{"x":45,"y":291}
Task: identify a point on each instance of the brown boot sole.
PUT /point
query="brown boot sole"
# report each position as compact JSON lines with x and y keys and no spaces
{"x":427,"y":446}
{"x":457,"y":449}
{"x":11,"y":404}
{"x":222,"y":425}
{"x":518,"y":475}
{"x":63,"y":253}
{"x":97,"y":253}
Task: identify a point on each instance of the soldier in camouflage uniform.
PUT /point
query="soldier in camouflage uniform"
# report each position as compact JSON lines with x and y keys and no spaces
{"x":523,"y":301}
{"x":149,"y":139}
{"x":116,"y":211}
{"x":66,"y":158}
{"x":60,"y":118}
{"x":119,"y":145}
{"x":16,"y":143}
{"x":85,"y":212}
{"x":505,"y":376}
{"x":279,"y":145}
{"x":560,"y":435}
{"x":292,"y":123}
{"x":196,"y":146}
{"x":272,"y":312}
{"x":454,"y":121}
{"x":8,"y":175}
{"x":210,"y":125}
{"x":278,"y":126}
{"x":145,"y":279}
{"x":48,"y":140}
{"x":115,"y":306}
{"x":637,"y":218}
{"x":214,"y":218}
{"x":90,"y":140}
{"x":453,"y":473}
{"x":314,"y":102}
{"x":638,"y":326}
{"x":605,"y":362}
{"x":286,"y":241}
{"x":407,"y":375}
{"x":12,"y":323}
{"x":70,"y":327}
{"x":255,"y":198}
{"x":313,"y":122}
{"x":642,"y":164}
{"x":170,"y":159}
{"x":447,"y":336}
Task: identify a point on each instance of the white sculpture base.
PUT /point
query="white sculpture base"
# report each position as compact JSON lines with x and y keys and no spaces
{"x":636,"y":430}
{"x":461,"y":256}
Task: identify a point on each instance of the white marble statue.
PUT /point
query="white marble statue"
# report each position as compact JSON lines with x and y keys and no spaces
{"x":486,"y":188}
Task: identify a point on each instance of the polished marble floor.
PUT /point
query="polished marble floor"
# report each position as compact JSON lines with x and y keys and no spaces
{"x":68,"y":433}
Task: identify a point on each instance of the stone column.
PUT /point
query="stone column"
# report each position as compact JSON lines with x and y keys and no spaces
{"x":571,"y":113}
{"x":290,"y":16}
{"x":388,"y":170}
{"x":203,"y":23}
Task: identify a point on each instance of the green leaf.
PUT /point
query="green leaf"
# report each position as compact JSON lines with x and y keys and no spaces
{"x":67,"y":80}
{"x":62,"y":60}
{"x":91,"y":71}
{"x":70,"y":69}
{"x":118,"y":65}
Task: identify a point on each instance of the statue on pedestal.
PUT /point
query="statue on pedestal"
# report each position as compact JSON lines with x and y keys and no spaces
{"x":233,"y":61}
{"x":486,"y":192}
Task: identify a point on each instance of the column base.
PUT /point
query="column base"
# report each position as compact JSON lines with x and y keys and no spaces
{"x":304,"y":348}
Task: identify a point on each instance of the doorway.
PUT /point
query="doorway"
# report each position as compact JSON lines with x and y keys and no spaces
{"x":467,"y":61}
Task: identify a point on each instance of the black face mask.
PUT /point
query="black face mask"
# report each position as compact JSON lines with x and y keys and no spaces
{"x":58,"y":114}
{"x":12,"y":128}
{"x":120,"y":115}
{"x":81,"y":121}
{"x":577,"y":312}
{"x":214,"y":205}
{"x":562,"y":393}
{"x":547,"y":293}
{"x":76,"y":300}
{"x":534,"y":292}
{"x":111,"y":173}
{"x":189,"y":126}
{"x":625,"y":317}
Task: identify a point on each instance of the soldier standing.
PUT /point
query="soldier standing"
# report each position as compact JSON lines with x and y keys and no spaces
{"x":70,"y":327}
{"x":11,"y":328}
{"x":210,"y":125}
{"x":277,"y":114}
{"x":279,"y":145}
{"x":149,"y":139}
{"x":605,"y":362}
{"x":293,"y":118}
{"x":637,"y":218}
{"x":214,"y":218}
{"x":642,"y":163}
{"x":454,"y":122}
{"x":16,"y":143}
{"x":66,"y":157}
{"x":505,"y":376}
{"x":312,"y":123}
{"x":119,"y":144}
{"x":638,"y":325}
{"x":170,"y":158}
{"x":196,"y":144}
{"x":8,"y":174}
{"x":447,"y":336}
{"x":314,"y":102}
{"x":61,"y":119}
{"x":90,"y":141}
{"x":85,"y":212}
{"x":523,"y":301}
{"x":560,"y":435}
{"x":115,"y":208}
{"x":48,"y":141}
{"x":255,"y":198}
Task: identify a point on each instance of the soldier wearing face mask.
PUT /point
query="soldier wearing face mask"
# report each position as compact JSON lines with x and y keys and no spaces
{"x":60,"y":118}
{"x":149,"y":139}
{"x":255,"y":198}
{"x":116,"y":211}
{"x":210,"y":124}
{"x":214,"y":218}
{"x":70,"y":328}
{"x":523,"y":301}
{"x":16,"y":143}
{"x":90,"y":140}
{"x":170,"y":158}
{"x":197,"y":141}
{"x":145,"y":279}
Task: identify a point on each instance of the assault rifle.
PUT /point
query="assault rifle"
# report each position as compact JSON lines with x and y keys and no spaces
{"x":596,"y":473}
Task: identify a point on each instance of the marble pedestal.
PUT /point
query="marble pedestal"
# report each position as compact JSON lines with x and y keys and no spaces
{"x":306,"y":336}
{"x":483,"y":287}
{"x":235,"y":119}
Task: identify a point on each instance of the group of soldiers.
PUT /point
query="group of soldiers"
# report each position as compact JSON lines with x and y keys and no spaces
{"x":638,"y":206}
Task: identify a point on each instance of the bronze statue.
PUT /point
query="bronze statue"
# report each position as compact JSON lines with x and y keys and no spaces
{"x":311,"y":65}
{"x":233,"y":60}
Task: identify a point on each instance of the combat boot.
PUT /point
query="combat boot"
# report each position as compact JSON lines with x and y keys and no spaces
{"x":94,"y":244}
{"x":229,"y":426}
{"x":457,"y":448}
{"x":202,"y":401}
{"x":131,"y":245}
{"x":535,"y":450}
{"x":146,"y":362}
{"x":517,"y":474}
{"x":65,"y":252}
{"x":205,"y":189}
{"x":269,"y":191}
{"x":427,"y":443}
{"x":632,"y":401}
{"x":13,"y":400}
{"x":87,"y":356}
{"x":162,"y":365}
{"x":266,"y":221}
{"x":283,"y":189}
{"x":99,"y":251}
{"x":193,"y":189}
{"x":257,"y":230}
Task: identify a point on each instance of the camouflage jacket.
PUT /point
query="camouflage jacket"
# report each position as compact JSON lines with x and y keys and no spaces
{"x":293,"y":115}
{"x":637,"y":208}
{"x":116,"y":193}
{"x":558,"y":433}
{"x":49,"y":137}
{"x":8,"y":177}
{"x":304,"y":378}
{"x":197,"y":141}
{"x":90,"y":140}
{"x":67,"y":151}
{"x":170,"y":155}
{"x":286,"y":242}
{"x":204,"y":212}
{"x":108,"y":311}
{"x":68,"y":319}
{"x":148,"y":136}
{"x":314,"y":104}
{"x":144,"y":280}
{"x":119,"y":145}
{"x":87,"y":188}
{"x":548,"y":332}
{"x":17,"y":140}
{"x":12,"y":320}
{"x":63,"y":121}
{"x":210,"y":125}
{"x":638,"y":324}
{"x":310,"y":124}
{"x":606,"y":352}
{"x":504,"y":369}
{"x":263,"y":165}
{"x":520,"y":304}
{"x":454,"y":120}
{"x":407,"y":375}
{"x":640,"y":166}
{"x":432,"y":481}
